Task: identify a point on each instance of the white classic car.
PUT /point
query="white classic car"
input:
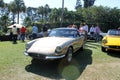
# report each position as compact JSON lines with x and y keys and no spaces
{"x":60,"y":43}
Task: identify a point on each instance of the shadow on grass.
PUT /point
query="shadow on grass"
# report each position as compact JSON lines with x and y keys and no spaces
{"x":62,"y":70}
{"x":94,"y":45}
{"x":114,"y":53}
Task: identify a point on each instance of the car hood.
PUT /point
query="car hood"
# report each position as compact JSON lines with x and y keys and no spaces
{"x":113,"y":40}
{"x":47,"y":45}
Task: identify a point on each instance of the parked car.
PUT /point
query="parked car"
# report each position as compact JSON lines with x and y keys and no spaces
{"x":39,"y":35}
{"x":5,"y":36}
{"x":92,"y":36}
{"x":60,"y":43}
{"x":111,"y":41}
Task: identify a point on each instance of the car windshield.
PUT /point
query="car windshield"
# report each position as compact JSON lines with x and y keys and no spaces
{"x":114,"y":32}
{"x":63,"y":33}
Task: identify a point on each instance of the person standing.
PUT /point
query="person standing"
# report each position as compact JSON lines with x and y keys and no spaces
{"x":81,"y":31}
{"x":92,"y":30}
{"x":45,"y":29}
{"x":22,"y":33}
{"x":34,"y":31}
{"x":97,"y":32}
{"x":85,"y":28}
{"x":14,"y":34}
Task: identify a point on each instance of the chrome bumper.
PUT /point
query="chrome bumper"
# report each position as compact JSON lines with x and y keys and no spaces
{"x":109,"y":48}
{"x":47,"y":57}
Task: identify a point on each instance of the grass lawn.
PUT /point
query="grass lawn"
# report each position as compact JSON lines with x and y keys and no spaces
{"x":91,"y":64}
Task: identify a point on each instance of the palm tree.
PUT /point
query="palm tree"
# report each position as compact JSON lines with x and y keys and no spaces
{"x":16,"y":7}
{"x":20,"y":7}
{"x":13,"y":8}
{"x":46,"y":11}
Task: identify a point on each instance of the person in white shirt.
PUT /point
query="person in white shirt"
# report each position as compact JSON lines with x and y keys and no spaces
{"x":81,"y":31}
{"x":14,"y":34}
{"x":92,"y":29}
{"x":85,"y":27}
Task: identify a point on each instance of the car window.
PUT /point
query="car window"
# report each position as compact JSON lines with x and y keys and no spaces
{"x":114,"y":32}
{"x":64,"y":33}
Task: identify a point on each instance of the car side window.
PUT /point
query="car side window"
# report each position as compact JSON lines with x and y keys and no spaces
{"x":76,"y":35}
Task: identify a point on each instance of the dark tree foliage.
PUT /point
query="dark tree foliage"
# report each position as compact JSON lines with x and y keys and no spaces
{"x":88,"y":3}
{"x":1,"y":3}
{"x":32,"y":13}
{"x":78,"y":4}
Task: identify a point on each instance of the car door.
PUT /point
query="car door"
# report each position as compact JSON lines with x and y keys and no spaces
{"x":77,"y":42}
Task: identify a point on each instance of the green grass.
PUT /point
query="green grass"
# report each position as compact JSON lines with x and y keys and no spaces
{"x":91,"y":64}
{"x":11,"y":53}
{"x":11,"y":57}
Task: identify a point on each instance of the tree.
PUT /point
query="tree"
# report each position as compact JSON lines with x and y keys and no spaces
{"x":78,"y":4}
{"x":46,"y":11}
{"x":32,"y":13}
{"x":4,"y":12}
{"x":88,"y":3}
{"x":13,"y":9}
{"x":41,"y":11}
{"x":1,"y":3}
{"x":4,"y":22}
{"x":55,"y":15}
{"x":3,"y":8}
{"x":27,"y":22}
{"x":16,"y":7}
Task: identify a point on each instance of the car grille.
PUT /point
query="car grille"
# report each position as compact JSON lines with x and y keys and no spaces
{"x":116,"y":47}
{"x":35,"y":55}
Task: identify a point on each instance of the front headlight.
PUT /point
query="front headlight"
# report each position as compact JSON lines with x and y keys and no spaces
{"x":104,"y":41}
{"x":58,"y":49}
{"x":29,"y":44}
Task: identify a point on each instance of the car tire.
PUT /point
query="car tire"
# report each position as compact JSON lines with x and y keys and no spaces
{"x":69,"y":54}
{"x":103,"y":49}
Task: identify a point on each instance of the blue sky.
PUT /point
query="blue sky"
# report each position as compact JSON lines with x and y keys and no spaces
{"x":70,"y":4}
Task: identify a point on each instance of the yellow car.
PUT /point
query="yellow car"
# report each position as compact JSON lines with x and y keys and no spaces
{"x":111,"y":41}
